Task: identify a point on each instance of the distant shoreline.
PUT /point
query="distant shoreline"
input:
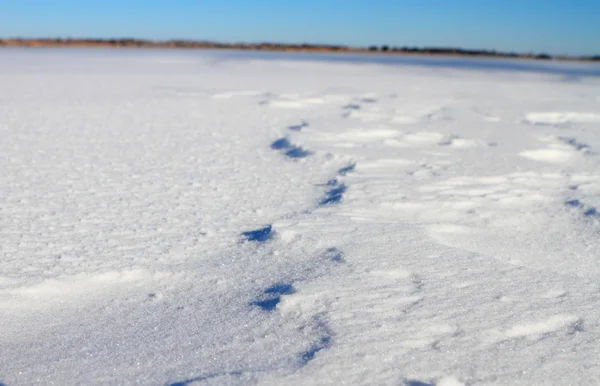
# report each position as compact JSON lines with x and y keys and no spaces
{"x":192,"y":44}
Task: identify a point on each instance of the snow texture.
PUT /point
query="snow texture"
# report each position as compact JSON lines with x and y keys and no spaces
{"x":177,"y":218}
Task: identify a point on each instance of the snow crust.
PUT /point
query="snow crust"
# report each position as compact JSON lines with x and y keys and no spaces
{"x":169,"y":218}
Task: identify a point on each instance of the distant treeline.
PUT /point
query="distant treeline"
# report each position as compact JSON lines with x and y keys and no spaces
{"x":193,"y":44}
{"x":458,"y":51}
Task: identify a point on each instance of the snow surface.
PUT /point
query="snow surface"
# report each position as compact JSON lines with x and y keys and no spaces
{"x":177,"y":218}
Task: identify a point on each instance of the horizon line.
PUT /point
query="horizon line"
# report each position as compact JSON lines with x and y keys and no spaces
{"x":125,"y":42}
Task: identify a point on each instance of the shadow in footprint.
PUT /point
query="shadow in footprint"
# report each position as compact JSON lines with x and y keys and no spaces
{"x":309,"y":355}
{"x":351,"y":106}
{"x":289,"y":149}
{"x":345,"y":170}
{"x":297,"y":152}
{"x":298,"y":127}
{"x":202,"y":378}
{"x":334,"y":255}
{"x":261,"y":235}
{"x":411,"y":382}
{"x":588,"y":211}
{"x":334,"y":196}
{"x":579,"y":146}
{"x":331,"y":182}
{"x":272,"y":296}
{"x":281,"y":143}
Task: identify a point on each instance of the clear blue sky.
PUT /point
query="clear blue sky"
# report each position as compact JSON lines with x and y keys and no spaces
{"x":553,"y":26}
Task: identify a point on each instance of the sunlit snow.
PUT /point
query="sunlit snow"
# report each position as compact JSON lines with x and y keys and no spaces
{"x":182,"y":217}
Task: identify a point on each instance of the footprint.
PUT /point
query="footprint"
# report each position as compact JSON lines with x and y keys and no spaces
{"x":202,"y":378}
{"x":334,"y":255}
{"x":281,"y":143}
{"x":579,"y":146}
{"x":412,"y":382}
{"x":334,"y":195}
{"x":347,"y":169}
{"x":261,"y":235}
{"x":297,"y":152}
{"x":291,"y":150}
{"x":272,"y":296}
{"x":323,"y":343}
{"x":588,"y":211}
{"x":298,"y":127}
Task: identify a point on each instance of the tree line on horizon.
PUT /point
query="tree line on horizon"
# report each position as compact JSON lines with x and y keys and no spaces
{"x":182,"y":43}
{"x":457,"y":51}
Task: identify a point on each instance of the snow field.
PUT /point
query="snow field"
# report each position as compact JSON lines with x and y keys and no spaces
{"x":178,"y":219}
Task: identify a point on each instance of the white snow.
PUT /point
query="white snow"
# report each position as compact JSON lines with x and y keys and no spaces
{"x":562,"y":117}
{"x":174,"y":217}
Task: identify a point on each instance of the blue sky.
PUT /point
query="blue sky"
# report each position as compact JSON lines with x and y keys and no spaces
{"x":553,"y":26}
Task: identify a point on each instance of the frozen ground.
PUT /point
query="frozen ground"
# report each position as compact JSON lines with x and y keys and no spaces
{"x":179,"y":218}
